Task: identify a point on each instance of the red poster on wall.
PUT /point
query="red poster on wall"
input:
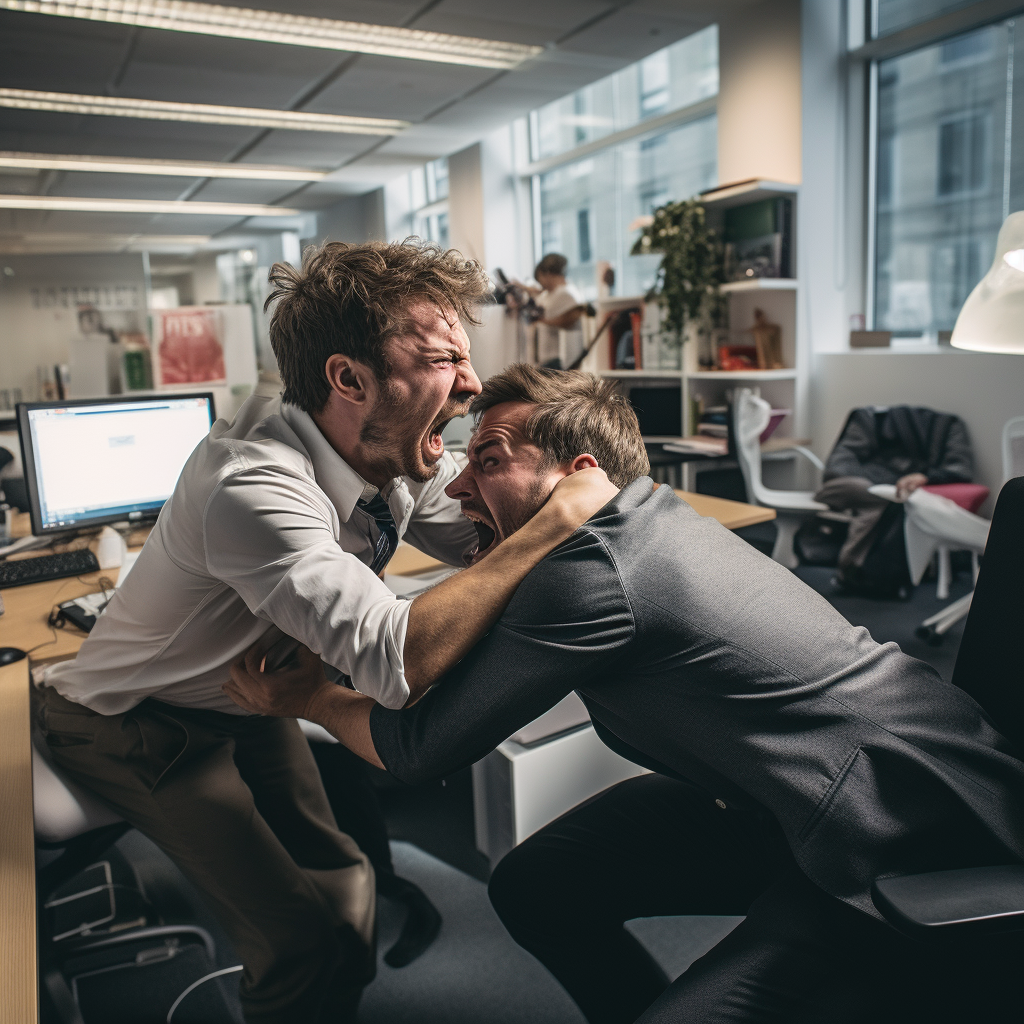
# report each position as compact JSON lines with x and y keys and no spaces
{"x":190,"y":349}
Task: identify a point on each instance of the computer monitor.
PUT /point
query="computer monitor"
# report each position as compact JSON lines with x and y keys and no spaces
{"x":102,"y":460}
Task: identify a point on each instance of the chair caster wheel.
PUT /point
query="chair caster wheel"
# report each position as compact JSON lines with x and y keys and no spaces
{"x":930,"y":635}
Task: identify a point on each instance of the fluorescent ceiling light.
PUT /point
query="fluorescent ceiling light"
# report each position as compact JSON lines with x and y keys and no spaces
{"x":144,"y":206}
{"x":199,"y":113}
{"x":169,"y":168}
{"x":84,"y":243}
{"x":296,"y":30}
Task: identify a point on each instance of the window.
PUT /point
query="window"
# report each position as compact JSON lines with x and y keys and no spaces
{"x":892,"y":15}
{"x":683,"y":73}
{"x":964,"y":154}
{"x":587,"y":206}
{"x":419,"y":204}
{"x":949,"y":168}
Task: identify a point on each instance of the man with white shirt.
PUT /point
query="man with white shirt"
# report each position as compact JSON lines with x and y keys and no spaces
{"x":286,"y":517}
{"x":559,"y":338}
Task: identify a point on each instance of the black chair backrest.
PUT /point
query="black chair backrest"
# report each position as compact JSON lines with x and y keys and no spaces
{"x":990,"y":662}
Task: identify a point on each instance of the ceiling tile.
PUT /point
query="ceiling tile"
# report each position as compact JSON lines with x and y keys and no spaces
{"x":233,"y":190}
{"x":118,"y":186}
{"x":632,"y":33}
{"x":406,"y":89}
{"x":528,"y":21}
{"x":41,"y":132}
{"x":59,"y":54}
{"x":309,"y":149}
{"x":208,"y":69}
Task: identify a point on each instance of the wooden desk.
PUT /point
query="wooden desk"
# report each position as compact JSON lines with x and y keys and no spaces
{"x":27,"y":608}
{"x":18,"y":974}
{"x":731,"y":514}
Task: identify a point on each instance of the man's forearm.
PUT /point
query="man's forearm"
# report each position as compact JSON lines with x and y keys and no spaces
{"x":446,"y":621}
{"x":345,"y":714}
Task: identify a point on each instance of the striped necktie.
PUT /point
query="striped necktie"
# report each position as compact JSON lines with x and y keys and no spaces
{"x":387,"y":540}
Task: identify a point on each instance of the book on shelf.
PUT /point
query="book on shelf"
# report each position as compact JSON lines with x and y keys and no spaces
{"x":700,"y":444}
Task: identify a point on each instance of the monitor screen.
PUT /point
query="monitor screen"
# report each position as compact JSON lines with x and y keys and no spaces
{"x":106,"y":459}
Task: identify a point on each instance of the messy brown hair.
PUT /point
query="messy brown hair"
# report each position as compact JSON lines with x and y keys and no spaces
{"x":577,"y":414}
{"x":352,"y":299}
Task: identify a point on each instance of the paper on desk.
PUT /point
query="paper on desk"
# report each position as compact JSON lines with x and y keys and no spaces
{"x":127,"y":561}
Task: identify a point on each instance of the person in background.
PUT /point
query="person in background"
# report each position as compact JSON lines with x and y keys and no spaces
{"x":559,"y":338}
{"x":900,"y":445}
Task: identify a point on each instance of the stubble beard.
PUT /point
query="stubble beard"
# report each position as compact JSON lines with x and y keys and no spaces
{"x":529,"y":504}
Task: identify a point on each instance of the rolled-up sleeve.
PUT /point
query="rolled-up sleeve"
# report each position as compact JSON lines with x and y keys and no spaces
{"x":271,"y":537}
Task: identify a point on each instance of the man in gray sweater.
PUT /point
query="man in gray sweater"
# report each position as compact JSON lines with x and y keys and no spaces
{"x":796,"y":759}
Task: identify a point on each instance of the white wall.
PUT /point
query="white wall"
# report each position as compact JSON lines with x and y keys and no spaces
{"x":984,"y":390}
{"x":38,"y":313}
{"x":489,"y":214}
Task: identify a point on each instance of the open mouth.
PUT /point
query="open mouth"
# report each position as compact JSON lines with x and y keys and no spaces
{"x":434,"y":444}
{"x":487,"y":536}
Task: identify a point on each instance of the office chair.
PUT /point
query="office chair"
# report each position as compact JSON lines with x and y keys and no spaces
{"x":984,"y":900}
{"x":751,"y":414}
{"x":69,"y":818}
{"x":934,"y":628}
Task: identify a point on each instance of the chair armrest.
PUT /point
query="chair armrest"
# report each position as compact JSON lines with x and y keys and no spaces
{"x":810,"y":456}
{"x":966,"y":901}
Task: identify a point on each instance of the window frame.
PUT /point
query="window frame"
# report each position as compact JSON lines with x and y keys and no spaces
{"x":919,"y":36}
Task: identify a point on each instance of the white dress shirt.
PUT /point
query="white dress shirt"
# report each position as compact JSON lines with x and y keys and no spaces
{"x":262,"y":528}
{"x":552,"y":342}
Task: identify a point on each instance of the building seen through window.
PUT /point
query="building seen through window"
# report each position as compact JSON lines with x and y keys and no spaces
{"x":893,"y":15}
{"x":949,"y":170}
{"x":683,"y":73}
{"x":586,"y":206}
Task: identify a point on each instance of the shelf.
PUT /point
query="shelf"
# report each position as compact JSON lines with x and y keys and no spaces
{"x":632,"y":374}
{"x":747,"y":192}
{"x":755,"y":284}
{"x":788,"y":374}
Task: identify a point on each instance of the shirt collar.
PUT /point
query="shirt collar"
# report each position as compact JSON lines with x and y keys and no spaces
{"x":338,"y":480}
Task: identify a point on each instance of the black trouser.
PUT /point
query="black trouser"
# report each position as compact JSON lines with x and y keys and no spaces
{"x":654,"y":847}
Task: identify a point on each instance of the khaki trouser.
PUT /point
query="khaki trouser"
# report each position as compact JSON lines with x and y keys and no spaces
{"x":237,"y":803}
{"x":850,"y":494}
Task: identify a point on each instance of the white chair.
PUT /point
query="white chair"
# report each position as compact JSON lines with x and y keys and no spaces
{"x":751,"y":414}
{"x":67,"y":817}
{"x":934,"y":628}
{"x":1013,"y":448}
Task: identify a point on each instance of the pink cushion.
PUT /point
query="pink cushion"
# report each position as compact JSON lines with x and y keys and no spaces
{"x":968,"y":496}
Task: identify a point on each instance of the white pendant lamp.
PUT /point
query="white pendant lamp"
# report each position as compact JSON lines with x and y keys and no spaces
{"x":992,"y":318}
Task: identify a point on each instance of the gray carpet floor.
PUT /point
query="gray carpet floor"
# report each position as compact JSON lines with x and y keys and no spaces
{"x":473,"y":973}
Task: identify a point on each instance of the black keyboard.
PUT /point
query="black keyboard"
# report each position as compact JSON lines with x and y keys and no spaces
{"x":47,"y":567}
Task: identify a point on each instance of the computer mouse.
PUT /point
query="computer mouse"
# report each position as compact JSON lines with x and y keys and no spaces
{"x":9,"y":655}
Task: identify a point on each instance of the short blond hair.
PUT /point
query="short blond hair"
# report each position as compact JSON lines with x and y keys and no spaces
{"x":577,"y":414}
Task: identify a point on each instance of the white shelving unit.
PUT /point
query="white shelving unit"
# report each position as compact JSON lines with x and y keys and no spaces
{"x":778,"y":297}
{"x":761,"y":284}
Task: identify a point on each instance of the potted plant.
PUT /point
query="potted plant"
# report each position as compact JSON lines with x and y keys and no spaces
{"x":692,"y":268}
